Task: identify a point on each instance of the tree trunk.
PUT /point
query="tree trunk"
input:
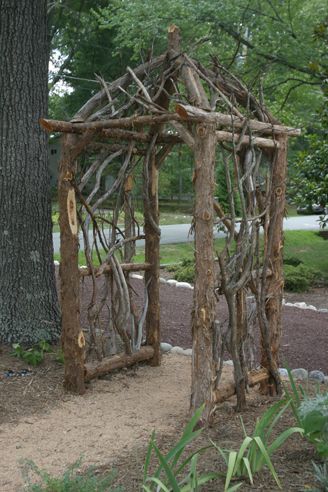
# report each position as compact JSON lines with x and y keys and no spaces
{"x":29,"y":309}
{"x":203,"y":365}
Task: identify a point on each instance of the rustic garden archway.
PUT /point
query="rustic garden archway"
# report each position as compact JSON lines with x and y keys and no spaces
{"x":135,"y":122}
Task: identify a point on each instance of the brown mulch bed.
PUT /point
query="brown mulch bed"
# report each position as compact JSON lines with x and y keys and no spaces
{"x":304,"y":332}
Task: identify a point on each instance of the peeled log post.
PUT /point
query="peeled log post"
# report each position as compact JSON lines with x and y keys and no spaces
{"x":275,"y":283}
{"x":73,"y":341}
{"x":203,"y":365}
{"x":227,"y":390}
{"x":109,"y":364}
{"x":152,"y":245}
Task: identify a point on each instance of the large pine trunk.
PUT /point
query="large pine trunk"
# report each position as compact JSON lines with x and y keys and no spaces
{"x":28,"y":300}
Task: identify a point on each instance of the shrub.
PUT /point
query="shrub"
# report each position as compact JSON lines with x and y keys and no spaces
{"x":185,"y":272}
{"x":298,"y":278}
{"x":71,"y":481}
{"x":313,"y":414}
{"x":293,"y":261}
{"x":34,"y":355}
{"x":321,"y":476}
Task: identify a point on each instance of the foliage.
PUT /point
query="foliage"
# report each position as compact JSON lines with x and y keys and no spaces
{"x":292,"y":260}
{"x":298,"y":278}
{"x":309,"y":183}
{"x":71,"y":481}
{"x":311,"y":414}
{"x":34,"y":355}
{"x":256,"y":450}
{"x":185,"y":272}
{"x":171,"y":467}
{"x":321,"y":476}
{"x":323,"y":222}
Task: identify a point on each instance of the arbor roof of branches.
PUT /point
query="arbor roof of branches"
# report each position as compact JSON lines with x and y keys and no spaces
{"x":157,"y":101}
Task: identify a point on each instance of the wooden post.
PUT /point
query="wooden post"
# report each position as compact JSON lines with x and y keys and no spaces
{"x":129,"y":248}
{"x":152,"y":239}
{"x":275,"y":283}
{"x":152,"y":245}
{"x":203,"y":365}
{"x":73,"y":341}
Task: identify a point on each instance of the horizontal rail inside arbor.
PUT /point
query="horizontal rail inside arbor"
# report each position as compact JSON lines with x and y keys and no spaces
{"x":95,"y":369}
{"x":126,"y":267}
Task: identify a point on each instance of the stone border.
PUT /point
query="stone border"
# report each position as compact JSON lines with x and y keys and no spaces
{"x":299,"y":374}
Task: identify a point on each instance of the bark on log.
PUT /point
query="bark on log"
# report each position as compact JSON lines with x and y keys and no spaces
{"x":101,"y":97}
{"x":203,"y":365}
{"x":227,"y":390}
{"x":266,"y":143}
{"x":95,"y":369}
{"x":72,"y":340}
{"x":195,"y":114}
{"x":275,"y":283}
{"x":128,"y":122}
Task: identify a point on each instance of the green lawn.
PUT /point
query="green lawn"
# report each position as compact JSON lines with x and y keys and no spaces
{"x":307,"y":246}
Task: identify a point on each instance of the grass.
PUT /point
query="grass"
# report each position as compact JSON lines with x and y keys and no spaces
{"x":166,"y":218}
{"x":310,"y":248}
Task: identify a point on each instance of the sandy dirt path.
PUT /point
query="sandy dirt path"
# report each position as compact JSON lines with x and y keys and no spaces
{"x":112,"y":418}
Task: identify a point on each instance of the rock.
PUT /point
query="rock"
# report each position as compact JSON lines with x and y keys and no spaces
{"x":283,"y":372}
{"x":165,"y":347}
{"x":323,"y":310}
{"x":171,"y":281}
{"x":228,"y":363}
{"x":301,"y":374}
{"x":162,"y":280}
{"x":177,"y":350}
{"x":317,"y":376}
{"x":184,"y":285}
{"x":303,"y":305}
{"x":300,"y":305}
{"x":136,"y":275}
{"x":187,"y":352}
{"x":326,"y":380}
{"x":56,"y":263}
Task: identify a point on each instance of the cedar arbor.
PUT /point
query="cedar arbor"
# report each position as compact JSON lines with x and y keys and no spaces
{"x":135,"y":122}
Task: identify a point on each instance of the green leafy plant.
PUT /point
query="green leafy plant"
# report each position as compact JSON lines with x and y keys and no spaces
{"x":311,"y":414}
{"x":298,"y":278}
{"x":185,"y":272}
{"x":174,"y":473}
{"x":71,"y":481}
{"x":256,"y":450}
{"x":321,"y":477}
{"x":34,"y":355}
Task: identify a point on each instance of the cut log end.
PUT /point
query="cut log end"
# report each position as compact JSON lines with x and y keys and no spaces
{"x":181,"y":111}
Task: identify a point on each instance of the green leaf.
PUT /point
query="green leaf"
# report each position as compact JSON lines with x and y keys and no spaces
{"x":169,"y":472}
{"x":159,"y":483}
{"x":248,"y":468}
{"x":267,"y":460}
{"x":279,"y":441}
{"x":231,"y":468}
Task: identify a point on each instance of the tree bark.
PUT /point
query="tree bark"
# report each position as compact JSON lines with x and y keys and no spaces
{"x":203,"y":365}
{"x":73,"y":341}
{"x":274,"y":250}
{"x":29,"y":309}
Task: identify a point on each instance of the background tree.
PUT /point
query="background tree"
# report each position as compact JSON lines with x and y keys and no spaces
{"x":28,"y":299}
